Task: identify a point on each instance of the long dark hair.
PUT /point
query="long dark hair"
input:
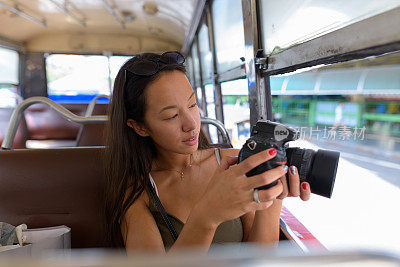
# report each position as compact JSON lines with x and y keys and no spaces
{"x":129,"y":156}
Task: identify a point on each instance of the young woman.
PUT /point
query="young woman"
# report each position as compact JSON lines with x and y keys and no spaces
{"x":157,"y":150}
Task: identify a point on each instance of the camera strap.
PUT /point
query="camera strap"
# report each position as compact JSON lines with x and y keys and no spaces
{"x":162,"y":211}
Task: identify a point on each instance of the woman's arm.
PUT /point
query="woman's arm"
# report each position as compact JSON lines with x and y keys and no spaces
{"x":265,"y":225}
{"x":262,"y":226}
{"x":140,"y":231}
{"x":248,"y":218}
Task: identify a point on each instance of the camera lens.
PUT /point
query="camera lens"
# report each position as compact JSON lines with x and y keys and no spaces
{"x":316,"y":168}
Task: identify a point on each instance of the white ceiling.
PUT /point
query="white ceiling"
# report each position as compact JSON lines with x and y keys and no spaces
{"x":164,"y":30}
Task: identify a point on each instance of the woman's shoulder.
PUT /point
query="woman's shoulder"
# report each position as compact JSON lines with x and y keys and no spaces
{"x":142,"y":198}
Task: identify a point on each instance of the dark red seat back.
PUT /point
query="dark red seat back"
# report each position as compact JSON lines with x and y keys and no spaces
{"x":93,"y":134}
{"x":45,"y":123}
{"x":49,"y":187}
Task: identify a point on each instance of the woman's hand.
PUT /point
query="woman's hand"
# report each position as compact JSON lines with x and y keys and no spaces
{"x":292,"y":187}
{"x":229,"y":194}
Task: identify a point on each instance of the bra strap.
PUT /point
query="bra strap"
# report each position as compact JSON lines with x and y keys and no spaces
{"x":218,"y":154}
{"x":161,"y":209}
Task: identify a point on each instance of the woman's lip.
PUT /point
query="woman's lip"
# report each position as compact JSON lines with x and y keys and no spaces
{"x":189,"y":139}
{"x":191,"y":142}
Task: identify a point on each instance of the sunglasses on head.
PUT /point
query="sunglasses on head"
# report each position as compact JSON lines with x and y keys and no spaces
{"x":148,"y":67}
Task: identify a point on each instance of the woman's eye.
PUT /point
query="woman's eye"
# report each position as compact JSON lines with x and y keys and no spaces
{"x":192,"y":106}
{"x":172,"y":117}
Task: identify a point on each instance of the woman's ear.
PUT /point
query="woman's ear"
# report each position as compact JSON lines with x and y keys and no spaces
{"x":139,"y":128}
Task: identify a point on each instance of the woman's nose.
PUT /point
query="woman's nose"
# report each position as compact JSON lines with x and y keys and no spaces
{"x":188,"y":122}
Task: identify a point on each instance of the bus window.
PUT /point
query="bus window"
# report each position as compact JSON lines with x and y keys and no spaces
{"x":9,"y":80}
{"x":298,"y":21}
{"x":9,"y":64}
{"x":205,"y":53}
{"x":81,"y":77}
{"x":8,"y":96}
{"x":352,"y":107}
{"x":76,"y":77}
{"x":236,"y":108}
{"x":211,"y":111}
{"x":197,"y":80}
{"x":199,"y":100}
{"x":115,"y":64}
{"x":196,"y":64}
{"x":228,"y":34}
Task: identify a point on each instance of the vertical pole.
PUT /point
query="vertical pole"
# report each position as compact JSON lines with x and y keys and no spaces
{"x":259,"y":86}
{"x":217,"y":86}
{"x":35,"y":81}
{"x":21,"y":74}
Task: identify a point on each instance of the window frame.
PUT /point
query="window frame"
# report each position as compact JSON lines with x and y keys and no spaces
{"x":377,"y":39}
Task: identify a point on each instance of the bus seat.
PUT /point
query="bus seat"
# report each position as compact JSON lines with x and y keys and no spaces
{"x":22,"y":132}
{"x":100,"y":109}
{"x":44,"y":123}
{"x":49,"y":187}
{"x":93,"y":134}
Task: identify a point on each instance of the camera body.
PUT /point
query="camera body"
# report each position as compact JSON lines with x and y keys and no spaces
{"x":265,"y":135}
{"x":318,"y":168}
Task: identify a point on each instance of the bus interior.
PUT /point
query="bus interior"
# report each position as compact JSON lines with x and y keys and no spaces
{"x":329,"y":69}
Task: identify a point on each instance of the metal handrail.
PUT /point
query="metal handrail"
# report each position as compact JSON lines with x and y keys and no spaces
{"x":90,"y":108}
{"x":16,"y":117}
{"x":220,"y":128}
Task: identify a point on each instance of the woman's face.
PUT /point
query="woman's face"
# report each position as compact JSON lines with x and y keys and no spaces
{"x":172,"y":117}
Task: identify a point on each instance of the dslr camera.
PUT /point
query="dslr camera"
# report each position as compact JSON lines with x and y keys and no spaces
{"x":318,"y":168}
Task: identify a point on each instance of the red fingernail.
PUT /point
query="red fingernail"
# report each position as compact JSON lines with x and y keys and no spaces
{"x":272,"y":151}
{"x":305,"y":186}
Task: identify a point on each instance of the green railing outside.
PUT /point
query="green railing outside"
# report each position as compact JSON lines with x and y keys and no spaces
{"x":381,"y":117}
{"x":295,"y":111}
